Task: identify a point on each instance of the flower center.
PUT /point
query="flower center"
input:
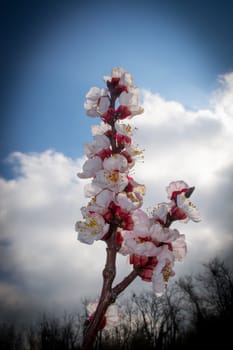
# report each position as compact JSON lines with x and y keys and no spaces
{"x":167,"y":272}
{"x":113,"y":176}
{"x":93,"y":226}
{"x":143,"y":239}
{"x":128,"y":129}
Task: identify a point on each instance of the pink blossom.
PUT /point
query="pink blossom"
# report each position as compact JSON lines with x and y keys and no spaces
{"x":93,"y":228}
{"x":97,"y":102}
{"x":160,"y":234}
{"x":139,"y":240}
{"x":91,"y":167}
{"x":130,"y":99}
{"x":179,"y":248}
{"x":92,"y":149}
{"x":163,"y":270}
{"x":111,"y":318}
{"x":123,"y":129}
{"x":112,"y":176}
{"x":91,"y":190}
{"x":181,"y":207}
{"x":138,"y":243}
{"x":104,"y":198}
{"x":111,"y":179}
{"x":160,"y":213}
{"x":145,"y":264}
{"x":119,"y":216}
{"x":132,"y":153}
{"x":132,"y":197}
{"x":176,"y":187}
{"x":100,"y":129}
{"x":116,"y":162}
{"x":129,"y":200}
{"x":99,"y":203}
{"x":188,"y":208}
{"x":121,"y":85}
{"x":124,"y":78}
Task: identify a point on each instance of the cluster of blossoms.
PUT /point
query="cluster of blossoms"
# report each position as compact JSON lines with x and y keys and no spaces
{"x":153,"y":246}
{"x":116,"y":199}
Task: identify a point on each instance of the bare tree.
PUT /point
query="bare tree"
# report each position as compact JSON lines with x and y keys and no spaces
{"x":10,"y":339}
{"x":194,"y":301}
{"x":217,"y":282}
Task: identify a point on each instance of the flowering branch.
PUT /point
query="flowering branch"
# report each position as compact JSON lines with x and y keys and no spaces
{"x":114,"y":213}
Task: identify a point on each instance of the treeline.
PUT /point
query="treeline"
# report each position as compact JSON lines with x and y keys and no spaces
{"x":196,"y":312}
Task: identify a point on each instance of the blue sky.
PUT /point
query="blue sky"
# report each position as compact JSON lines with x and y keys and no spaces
{"x":180,"y":54}
{"x":55,"y":50}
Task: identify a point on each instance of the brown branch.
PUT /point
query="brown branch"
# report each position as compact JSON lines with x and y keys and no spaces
{"x":105,"y":300}
{"x":108,"y":294}
{"x":124,"y":283}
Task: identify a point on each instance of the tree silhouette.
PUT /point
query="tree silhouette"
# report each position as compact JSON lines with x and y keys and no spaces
{"x":195,"y":312}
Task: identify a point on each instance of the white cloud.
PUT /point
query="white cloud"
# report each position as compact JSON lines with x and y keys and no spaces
{"x":42,"y":259}
{"x":196,"y":146}
{"x":42,"y":263}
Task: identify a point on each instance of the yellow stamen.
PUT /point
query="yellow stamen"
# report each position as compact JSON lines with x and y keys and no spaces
{"x":128,"y":129}
{"x":91,"y":223}
{"x":132,"y":197}
{"x":166,"y":272}
{"x":113,"y":176}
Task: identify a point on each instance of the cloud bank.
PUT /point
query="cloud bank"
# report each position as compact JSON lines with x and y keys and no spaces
{"x":44,"y":267}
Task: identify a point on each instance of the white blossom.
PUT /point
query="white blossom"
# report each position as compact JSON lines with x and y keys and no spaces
{"x":91,"y":167}
{"x":97,"y":102}
{"x":188,"y":207}
{"x":111,"y":179}
{"x":93,"y":228}
{"x":101,"y":142}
